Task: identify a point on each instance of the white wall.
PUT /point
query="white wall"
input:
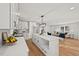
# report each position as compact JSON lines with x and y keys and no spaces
{"x":73,"y":29}
{"x":4,"y":16}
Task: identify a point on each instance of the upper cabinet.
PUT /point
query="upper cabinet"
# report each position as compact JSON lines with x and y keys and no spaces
{"x":4,"y":16}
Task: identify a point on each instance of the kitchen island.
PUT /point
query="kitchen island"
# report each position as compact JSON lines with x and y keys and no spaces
{"x":18,"y":49}
{"x":49,"y":45}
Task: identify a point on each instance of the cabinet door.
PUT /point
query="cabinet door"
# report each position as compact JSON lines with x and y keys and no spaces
{"x":4,"y":16}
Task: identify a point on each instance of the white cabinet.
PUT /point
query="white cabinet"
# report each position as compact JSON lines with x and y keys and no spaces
{"x":4,"y":16}
{"x":49,"y":45}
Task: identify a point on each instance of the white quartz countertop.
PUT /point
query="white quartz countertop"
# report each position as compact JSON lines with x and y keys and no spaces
{"x":48,"y":37}
{"x":19,"y":49}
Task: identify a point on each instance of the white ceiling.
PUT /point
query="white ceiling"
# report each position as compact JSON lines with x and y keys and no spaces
{"x":55,"y":13}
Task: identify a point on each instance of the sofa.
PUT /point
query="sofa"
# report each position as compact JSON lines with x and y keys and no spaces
{"x":62,"y":35}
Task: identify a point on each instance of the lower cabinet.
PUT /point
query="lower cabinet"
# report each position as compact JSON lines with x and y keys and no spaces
{"x":47,"y":46}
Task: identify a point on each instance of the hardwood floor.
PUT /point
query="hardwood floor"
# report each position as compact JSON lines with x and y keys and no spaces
{"x":33,"y":49}
{"x":68,"y":47}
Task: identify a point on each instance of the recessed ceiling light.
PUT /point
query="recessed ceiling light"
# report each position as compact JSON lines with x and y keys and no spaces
{"x":72,"y":8}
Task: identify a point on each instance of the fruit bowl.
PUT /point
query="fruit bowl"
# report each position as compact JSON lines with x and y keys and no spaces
{"x":10,"y":41}
{"x":10,"y":44}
